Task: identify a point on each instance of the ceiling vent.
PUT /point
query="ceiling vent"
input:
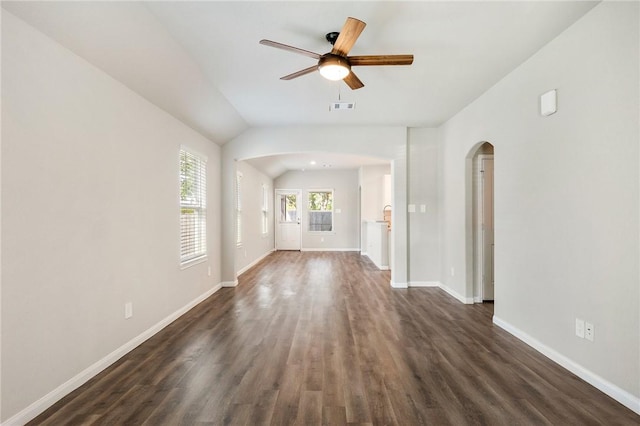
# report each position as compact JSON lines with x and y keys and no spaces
{"x":342,"y":106}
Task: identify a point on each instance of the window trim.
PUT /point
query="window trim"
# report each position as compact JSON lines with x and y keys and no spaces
{"x":198,"y":256}
{"x":307,"y":211}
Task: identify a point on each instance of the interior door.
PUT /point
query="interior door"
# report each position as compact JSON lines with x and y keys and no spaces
{"x":288,"y":204}
{"x":487,"y":230}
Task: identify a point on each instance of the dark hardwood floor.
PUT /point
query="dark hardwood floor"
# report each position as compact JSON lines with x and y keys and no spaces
{"x":321,"y":338}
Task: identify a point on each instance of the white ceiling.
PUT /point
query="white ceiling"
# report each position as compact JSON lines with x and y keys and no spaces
{"x":201,"y":61}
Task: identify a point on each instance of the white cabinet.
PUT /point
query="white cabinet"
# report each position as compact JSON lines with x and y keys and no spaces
{"x":378,"y":243}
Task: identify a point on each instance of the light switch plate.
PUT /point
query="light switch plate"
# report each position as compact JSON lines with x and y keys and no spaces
{"x":548,"y":103}
{"x":411,"y":208}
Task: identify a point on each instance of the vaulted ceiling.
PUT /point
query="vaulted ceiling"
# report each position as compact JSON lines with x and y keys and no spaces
{"x":201,"y":60}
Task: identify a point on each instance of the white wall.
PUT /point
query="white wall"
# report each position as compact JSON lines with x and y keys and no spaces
{"x":380,"y":142}
{"x":255,"y":245}
{"x":90,"y":172}
{"x":371,"y":183}
{"x":424,"y":250}
{"x":566,"y":198}
{"x":345,"y":199}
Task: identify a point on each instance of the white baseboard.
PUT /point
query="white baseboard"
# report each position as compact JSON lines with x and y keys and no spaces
{"x":38,"y":407}
{"x":330,"y":249}
{"x":364,"y":253}
{"x":623,"y":397}
{"x":424,"y":284}
{"x":398,"y":285}
{"x":254,"y":263}
{"x":229,"y":283}
{"x":452,"y":292}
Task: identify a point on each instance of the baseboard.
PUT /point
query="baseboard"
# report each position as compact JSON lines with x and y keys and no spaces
{"x":364,"y":253}
{"x":38,"y":407}
{"x":424,"y":284}
{"x":254,"y":263}
{"x":229,"y":283}
{"x":623,"y":397}
{"x":452,"y":292}
{"x":398,"y":285}
{"x":330,"y":249}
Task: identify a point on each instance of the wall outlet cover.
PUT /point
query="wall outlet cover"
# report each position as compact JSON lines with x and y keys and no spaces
{"x":580,"y":328}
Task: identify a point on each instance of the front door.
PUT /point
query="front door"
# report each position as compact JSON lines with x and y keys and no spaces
{"x":288,"y":219}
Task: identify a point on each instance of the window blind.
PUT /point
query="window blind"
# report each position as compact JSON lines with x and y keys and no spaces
{"x":193,"y":206}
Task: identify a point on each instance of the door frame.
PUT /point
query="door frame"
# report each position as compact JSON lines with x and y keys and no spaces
{"x":479,"y":252}
{"x":276,"y":216}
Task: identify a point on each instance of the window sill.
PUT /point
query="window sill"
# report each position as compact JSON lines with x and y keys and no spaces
{"x":192,"y":262}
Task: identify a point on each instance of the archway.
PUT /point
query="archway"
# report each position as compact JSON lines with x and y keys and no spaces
{"x":480,"y":223}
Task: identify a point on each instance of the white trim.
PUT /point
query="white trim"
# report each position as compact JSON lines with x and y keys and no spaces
{"x":229,"y":283}
{"x":363,"y":253}
{"x":622,"y":396}
{"x":424,"y":284}
{"x":193,"y":262}
{"x":330,"y":249}
{"x":398,"y":285}
{"x":254,"y":263}
{"x":39,"y":406}
{"x":452,"y":292}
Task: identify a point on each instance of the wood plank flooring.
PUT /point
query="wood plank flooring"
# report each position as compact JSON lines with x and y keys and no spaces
{"x":321,"y":338}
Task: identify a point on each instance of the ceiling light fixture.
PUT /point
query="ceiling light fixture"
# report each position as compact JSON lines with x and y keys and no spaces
{"x":312,"y":162}
{"x":334,"y":67}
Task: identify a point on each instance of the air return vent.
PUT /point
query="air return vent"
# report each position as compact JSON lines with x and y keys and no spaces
{"x":342,"y":106}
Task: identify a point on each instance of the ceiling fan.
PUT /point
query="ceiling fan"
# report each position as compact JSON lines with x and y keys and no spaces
{"x":336,"y":65}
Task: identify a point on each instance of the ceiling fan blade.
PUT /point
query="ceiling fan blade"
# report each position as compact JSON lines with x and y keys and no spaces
{"x":348,"y":36}
{"x":300,"y":73}
{"x":353,"y":81}
{"x":380,"y":60}
{"x":290,"y":48}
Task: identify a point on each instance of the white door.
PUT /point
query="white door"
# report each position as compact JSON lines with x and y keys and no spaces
{"x":288,"y":219}
{"x":487,"y":228}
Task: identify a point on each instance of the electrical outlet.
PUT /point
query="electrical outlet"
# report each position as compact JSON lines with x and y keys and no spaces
{"x":423,"y":208}
{"x":588,"y":331}
{"x":209,"y":271}
{"x":580,"y":328}
{"x":128,"y":310}
{"x":453,"y":271}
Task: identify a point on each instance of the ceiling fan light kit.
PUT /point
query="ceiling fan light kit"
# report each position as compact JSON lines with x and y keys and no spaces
{"x":333,"y":67}
{"x":336,"y":65}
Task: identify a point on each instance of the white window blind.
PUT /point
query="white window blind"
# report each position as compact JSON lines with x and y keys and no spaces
{"x":193,"y":206}
{"x":239,"y":208}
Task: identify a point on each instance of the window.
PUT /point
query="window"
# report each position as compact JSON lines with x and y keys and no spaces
{"x":320,"y":211}
{"x":288,"y":208}
{"x":238,"y":208}
{"x":265,"y":209}
{"x":193,"y":206}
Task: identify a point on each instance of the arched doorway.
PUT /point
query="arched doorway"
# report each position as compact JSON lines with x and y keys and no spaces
{"x":481,"y":212}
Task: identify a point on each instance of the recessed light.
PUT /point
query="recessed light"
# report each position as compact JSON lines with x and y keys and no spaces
{"x":312,"y":162}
